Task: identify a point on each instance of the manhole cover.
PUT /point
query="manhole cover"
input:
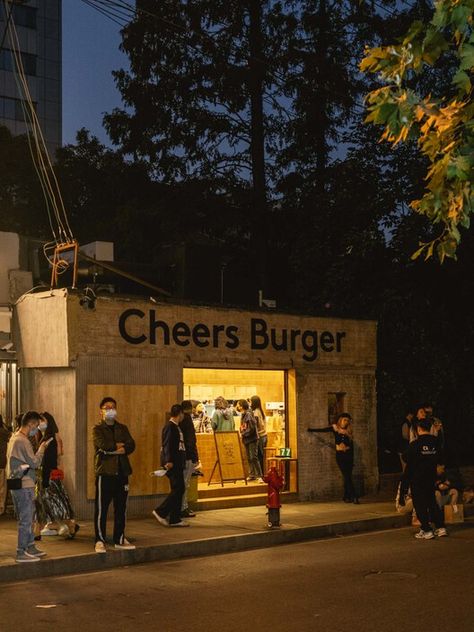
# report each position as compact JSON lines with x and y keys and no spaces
{"x":390,"y":575}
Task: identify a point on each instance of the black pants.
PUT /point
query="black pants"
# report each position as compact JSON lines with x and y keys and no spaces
{"x":345,"y":461}
{"x":171,"y":506}
{"x":426,"y":507}
{"x":107,"y":489}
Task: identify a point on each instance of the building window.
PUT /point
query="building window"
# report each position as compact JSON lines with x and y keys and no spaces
{"x":336,"y":402}
{"x":8,"y":63}
{"x":24,"y":16}
{"x":12,"y":109}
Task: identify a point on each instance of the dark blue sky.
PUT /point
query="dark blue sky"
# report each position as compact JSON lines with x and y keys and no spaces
{"x":90,"y":53}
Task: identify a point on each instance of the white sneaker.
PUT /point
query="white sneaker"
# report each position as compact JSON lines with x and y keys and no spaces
{"x":63,"y":529}
{"x":424,"y":535}
{"x":47,"y":531}
{"x":161,"y":520}
{"x":100,"y":547}
{"x":126,"y":545}
{"x":441,"y":532}
{"x":181,"y":523}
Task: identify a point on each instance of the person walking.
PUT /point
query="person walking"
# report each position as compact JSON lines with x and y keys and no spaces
{"x":113,"y":444}
{"x":5,"y":435}
{"x":422,"y":458}
{"x":173,"y":460}
{"x":249,"y":435}
{"x":257,"y":410}
{"x":343,"y":436}
{"x":22,"y":464}
{"x":192,"y":458}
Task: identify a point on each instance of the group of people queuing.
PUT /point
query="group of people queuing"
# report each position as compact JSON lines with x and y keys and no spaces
{"x":252,"y":427}
{"x":425,"y":488}
{"x":34,"y":448}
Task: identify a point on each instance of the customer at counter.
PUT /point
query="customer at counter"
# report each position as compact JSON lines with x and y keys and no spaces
{"x":223,"y":417}
{"x":257,"y":409}
{"x":249,"y":434}
{"x":201,"y":420}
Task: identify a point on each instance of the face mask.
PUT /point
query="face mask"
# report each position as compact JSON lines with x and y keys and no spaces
{"x":32,"y":432}
{"x":43,"y":426}
{"x":110,"y":415}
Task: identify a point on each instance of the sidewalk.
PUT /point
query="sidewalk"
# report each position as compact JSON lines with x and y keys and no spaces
{"x":210,"y":533}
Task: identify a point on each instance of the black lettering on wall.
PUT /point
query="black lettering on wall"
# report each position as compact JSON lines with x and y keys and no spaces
{"x":181,"y":334}
{"x":339,"y":336}
{"x":158,"y":324}
{"x":326,"y":340}
{"x":281,"y":345}
{"x":133,"y":340}
{"x":215,"y":334}
{"x":201,"y":333}
{"x":309,"y":340}
{"x":232,"y":339}
{"x":258,"y":334}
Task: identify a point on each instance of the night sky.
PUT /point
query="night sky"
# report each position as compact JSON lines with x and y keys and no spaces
{"x":90,"y":53}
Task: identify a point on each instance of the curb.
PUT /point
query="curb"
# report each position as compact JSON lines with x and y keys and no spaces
{"x":194,"y":548}
{"x":91,"y":562}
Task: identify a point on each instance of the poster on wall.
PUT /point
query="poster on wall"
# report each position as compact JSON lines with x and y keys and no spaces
{"x":230,"y":462}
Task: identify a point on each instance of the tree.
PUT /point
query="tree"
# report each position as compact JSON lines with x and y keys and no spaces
{"x":443,"y":126}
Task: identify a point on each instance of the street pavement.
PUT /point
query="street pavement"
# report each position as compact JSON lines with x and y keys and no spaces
{"x":382,"y":581}
{"x":211,"y":532}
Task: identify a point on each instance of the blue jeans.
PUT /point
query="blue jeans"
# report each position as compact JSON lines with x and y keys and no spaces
{"x":24,"y":503}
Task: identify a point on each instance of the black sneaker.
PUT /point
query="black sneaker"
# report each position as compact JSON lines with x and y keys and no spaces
{"x":188,"y":513}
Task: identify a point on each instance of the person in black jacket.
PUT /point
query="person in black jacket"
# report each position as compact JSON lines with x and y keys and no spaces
{"x":192,"y":458}
{"x":249,"y":435}
{"x":342,"y":431}
{"x":173,"y":459}
{"x":112,"y":443}
{"x":422,"y":457}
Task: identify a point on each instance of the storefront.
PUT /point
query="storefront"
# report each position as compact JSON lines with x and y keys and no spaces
{"x":149,"y":355}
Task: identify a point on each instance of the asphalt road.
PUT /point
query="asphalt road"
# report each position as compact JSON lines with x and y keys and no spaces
{"x":379,"y":582}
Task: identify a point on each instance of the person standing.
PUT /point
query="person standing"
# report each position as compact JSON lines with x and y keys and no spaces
{"x":112,"y":444}
{"x":249,"y":434}
{"x":422,"y":458}
{"x":22,"y":463}
{"x":223,"y":416}
{"x":53,"y":507}
{"x":257,"y":410}
{"x":173,"y":459}
{"x":342,"y":431}
{"x":192,"y":458}
{"x":5,"y":435}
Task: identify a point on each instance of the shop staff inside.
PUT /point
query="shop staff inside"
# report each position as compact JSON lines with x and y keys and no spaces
{"x":262,"y":337}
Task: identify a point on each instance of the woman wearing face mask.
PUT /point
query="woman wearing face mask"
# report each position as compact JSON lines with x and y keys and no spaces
{"x":53,"y":507}
{"x":342,"y":431}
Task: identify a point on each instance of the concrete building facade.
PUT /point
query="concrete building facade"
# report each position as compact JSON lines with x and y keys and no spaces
{"x":38,"y":23}
{"x":148,"y":355}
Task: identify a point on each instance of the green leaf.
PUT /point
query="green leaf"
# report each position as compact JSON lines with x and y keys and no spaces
{"x":467,"y":57}
{"x":462,"y":82}
{"x":418,"y":252}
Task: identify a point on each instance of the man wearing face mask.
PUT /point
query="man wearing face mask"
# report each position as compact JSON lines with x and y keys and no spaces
{"x":112,"y":443}
{"x":22,"y":464}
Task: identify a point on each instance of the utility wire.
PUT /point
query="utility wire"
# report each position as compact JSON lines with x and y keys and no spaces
{"x":7,"y":23}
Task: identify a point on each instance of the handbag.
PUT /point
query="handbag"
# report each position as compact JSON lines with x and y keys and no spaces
{"x":14,"y":483}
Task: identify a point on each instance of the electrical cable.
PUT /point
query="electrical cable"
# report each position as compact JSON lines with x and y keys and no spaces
{"x":7,"y":23}
{"x":44,"y":164}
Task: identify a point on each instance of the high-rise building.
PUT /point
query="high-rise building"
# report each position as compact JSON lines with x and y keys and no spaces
{"x":38,"y":23}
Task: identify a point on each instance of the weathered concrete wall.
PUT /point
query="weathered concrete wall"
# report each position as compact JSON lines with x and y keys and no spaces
{"x":319,"y":476}
{"x":40,"y":330}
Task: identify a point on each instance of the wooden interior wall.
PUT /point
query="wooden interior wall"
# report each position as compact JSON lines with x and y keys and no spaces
{"x":143,"y":409}
{"x":234,"y":384}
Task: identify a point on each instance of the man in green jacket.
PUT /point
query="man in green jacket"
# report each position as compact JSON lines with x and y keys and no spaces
{"x":112,"y":443}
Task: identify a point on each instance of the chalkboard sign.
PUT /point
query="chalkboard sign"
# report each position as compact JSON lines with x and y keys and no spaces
{"x":230,"y":462}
